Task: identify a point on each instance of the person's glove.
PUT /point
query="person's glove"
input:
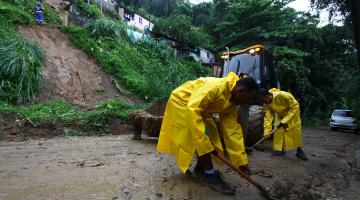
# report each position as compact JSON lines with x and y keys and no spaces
{"x":281,"y":125}
{"x":246,"y":169}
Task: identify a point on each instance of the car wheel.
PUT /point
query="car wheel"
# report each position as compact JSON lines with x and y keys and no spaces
{"x":333,"y":129}
{"x":356,"y":131}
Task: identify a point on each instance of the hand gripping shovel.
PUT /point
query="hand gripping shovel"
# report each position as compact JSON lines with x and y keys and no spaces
{"x":244,"y":175}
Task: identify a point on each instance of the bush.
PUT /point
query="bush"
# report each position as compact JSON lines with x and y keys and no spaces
{"x":20,"y":72}
{"x":107,"y":28}
{"x":92,"y":11}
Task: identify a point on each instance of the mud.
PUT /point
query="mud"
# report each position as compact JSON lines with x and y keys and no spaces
{"x":69,"y":73}
{"x":117,"y":167}
{"x":18,"y":128}
{"x":148,"y":121}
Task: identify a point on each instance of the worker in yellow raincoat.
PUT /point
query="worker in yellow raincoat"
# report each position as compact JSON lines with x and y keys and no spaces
{"x":189,"y":111}
{"x":282,"y":110}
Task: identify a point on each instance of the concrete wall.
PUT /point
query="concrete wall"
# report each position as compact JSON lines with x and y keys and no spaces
{"x":140,"y":22}
{"x":206,"y":56}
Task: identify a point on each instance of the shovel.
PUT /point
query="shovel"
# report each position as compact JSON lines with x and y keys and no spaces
{"x":244,"y":175}
{"x":264,"y":138}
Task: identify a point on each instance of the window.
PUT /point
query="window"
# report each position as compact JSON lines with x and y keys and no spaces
{"x":207,"y":55}
{"x":112,"y":1}
{"x":342,"y":113}
{"x":140,"y":20}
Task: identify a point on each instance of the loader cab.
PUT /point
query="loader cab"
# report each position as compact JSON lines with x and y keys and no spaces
{"x":256,"y":61}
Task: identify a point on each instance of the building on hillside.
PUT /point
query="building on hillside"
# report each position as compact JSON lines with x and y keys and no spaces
{"x":130,"y":18}
{"x":135,"y":20}
{"x":203,"y":56}
{"x":206,"y":58}
{"x":180,"y":50}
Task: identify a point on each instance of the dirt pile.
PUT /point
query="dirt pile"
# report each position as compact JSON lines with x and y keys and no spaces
{"x":69,"y":73}
{"x":15,"y":128}
{"x":289,"y":190}
{"x":148,"y":121}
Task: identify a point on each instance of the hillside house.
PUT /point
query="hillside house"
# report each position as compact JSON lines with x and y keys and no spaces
{"x":129,"y":17}
{"x":135,"y":20}
{"x":204,"y":56}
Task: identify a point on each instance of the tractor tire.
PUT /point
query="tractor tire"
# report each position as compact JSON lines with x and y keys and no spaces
{"x":255,"y":126}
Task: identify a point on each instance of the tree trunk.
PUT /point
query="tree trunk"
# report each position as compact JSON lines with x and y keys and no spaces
{"x":355,"y":14}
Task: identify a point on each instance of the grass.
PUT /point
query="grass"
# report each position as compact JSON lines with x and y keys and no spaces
{"x":23,"y":12}
{"x":13,"y":14}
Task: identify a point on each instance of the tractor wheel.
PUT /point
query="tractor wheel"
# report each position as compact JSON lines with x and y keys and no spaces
{"x":255,"y":127}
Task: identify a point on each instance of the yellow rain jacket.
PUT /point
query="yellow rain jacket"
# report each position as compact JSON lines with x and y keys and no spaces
{"x":189,"y":110}
{"x":287,"y":111}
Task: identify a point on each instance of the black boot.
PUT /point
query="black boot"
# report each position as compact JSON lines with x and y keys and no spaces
{"x":217,"y":183}
{"x":301,"y":155}
{"x":198,"y":170}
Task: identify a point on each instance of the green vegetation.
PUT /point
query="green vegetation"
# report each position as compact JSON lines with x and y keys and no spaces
{"x":23,"y":12}
{"x":20,"y":72}
{"x":92,"y":11}
{"x":14,"y":14}
{"x":80,"y":121}
{"x":317,"y":64}
{"x":20,"y":59}
{"x":147,"y":68}
{"x":179,"y":27}
{"x":107,"y":28}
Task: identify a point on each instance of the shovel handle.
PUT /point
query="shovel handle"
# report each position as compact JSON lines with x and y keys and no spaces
{"x":244,"y":175}
{"x":235,"y":168}
{"x":265,"y":137}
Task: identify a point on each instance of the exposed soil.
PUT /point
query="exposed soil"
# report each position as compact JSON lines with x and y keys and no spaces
{"x":17,"y":128}
{"x":117,"y":167}
{"x":69,"y":73}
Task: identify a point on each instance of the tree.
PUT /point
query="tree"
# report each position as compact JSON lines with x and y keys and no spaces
{"x":348,"y":8}
{"x":179,"y":27}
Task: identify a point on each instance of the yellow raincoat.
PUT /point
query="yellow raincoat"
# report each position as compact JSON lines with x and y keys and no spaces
{"x":287,"y":111}
{"x":189,"y":110}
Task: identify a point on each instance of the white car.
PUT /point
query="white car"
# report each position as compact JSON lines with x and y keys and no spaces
{"x":342,"y":119}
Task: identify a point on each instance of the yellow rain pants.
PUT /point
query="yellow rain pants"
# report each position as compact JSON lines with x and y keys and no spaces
{"x":189,"y":110}
{"x":287,"y":111}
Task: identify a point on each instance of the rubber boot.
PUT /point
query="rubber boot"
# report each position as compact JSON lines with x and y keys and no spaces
{"x":199,"y":170}
{"x":301,"y":155}
{"x":215,"y":182}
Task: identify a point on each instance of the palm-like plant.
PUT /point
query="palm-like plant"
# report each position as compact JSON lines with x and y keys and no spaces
{"x":20,"y":67}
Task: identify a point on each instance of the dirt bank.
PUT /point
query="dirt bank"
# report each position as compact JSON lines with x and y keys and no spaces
{"x":117,"y":167}
{"x":69,"y":73}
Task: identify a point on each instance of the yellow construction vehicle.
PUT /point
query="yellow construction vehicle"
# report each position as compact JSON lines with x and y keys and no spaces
{"x":257,"y":62}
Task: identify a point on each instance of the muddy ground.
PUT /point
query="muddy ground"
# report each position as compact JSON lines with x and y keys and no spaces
{"x":117,"y":167}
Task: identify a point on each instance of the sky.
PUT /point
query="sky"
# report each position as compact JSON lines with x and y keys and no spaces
{"x":299,"y":5}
